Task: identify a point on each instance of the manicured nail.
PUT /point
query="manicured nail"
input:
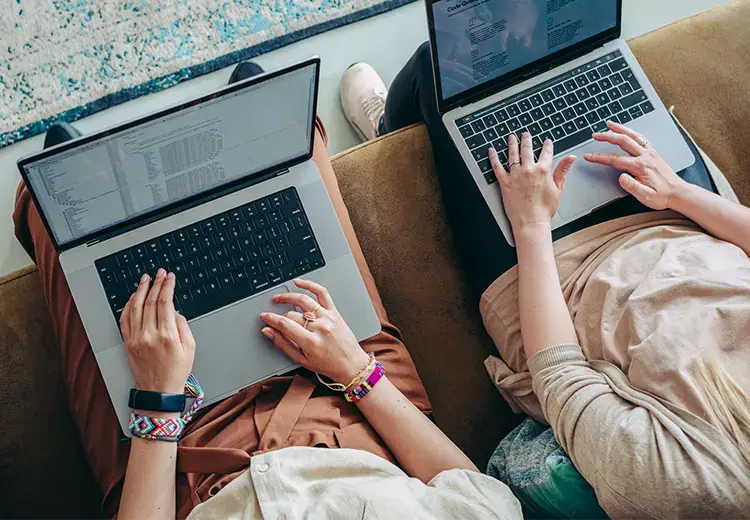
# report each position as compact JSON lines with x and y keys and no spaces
{"x":170,"y":276}
{"x":267,"y":333}
{"x":145,"y":278}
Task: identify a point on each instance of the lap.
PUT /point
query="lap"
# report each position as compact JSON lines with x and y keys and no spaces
{"x":218,"y":444}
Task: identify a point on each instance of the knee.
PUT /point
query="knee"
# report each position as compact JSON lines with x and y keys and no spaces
{"x":423,"y":57}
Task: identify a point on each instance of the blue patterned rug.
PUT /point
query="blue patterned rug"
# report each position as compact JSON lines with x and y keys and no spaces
{"x":61,"y":60}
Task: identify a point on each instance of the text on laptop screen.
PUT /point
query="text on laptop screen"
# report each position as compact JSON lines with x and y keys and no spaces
{"x":165,"y":160}
{"x":480,"y":40}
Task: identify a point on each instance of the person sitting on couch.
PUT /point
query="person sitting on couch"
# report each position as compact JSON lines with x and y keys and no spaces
{"x":629,"y":336}
{"x":261,"y":452}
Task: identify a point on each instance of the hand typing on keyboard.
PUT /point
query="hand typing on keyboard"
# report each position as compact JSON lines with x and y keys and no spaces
{"x":326,"y":344}
{"x":649,"y":178}
{"x":531,"y":191}
{"x":158,"y":341}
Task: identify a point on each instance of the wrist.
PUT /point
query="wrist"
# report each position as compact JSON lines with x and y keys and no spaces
{"x":349,"y":370}
{"x":681,"y":196}
{"x":532,"y":230}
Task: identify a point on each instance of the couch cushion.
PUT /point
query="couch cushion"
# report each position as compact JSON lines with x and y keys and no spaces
{"x":43,"y":472}
{"x":394,"y":201}
{"x":700,"y":65}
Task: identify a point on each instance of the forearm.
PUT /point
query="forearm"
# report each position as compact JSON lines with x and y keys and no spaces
{"x":422,"y":450}
{"x":149,"y":489}
{"x":545,"y":320}
{"x":722,"y":218}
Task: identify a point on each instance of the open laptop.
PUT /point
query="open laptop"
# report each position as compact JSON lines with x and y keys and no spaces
{"x":555,"y":68}
{"x":221,"y":191}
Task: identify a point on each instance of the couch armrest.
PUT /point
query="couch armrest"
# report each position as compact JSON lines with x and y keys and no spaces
{"x":700,"y":65}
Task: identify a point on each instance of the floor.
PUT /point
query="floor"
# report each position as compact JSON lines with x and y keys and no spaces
{"x":386,"y":42}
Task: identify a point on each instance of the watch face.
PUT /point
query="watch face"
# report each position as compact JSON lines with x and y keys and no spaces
{"x":156,"y":401}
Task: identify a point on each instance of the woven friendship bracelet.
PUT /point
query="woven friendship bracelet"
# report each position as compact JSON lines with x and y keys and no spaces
{"x":362,"y":390}
{"x":167,"y":428}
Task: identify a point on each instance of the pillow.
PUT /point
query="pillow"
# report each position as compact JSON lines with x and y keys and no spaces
{"x":542,"y":476}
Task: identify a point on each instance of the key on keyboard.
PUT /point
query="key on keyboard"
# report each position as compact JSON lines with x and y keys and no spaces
{"x":574,"y":105}
{"x":222,"y":259}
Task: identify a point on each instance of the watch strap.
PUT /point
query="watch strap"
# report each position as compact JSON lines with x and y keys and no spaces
{"x":156,"y":401}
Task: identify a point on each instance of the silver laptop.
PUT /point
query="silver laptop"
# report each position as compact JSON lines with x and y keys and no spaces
{"x":557,"y":69}
{"x":220,"y":190}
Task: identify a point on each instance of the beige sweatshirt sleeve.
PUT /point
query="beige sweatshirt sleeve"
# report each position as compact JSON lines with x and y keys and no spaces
{"x":632,"y":454}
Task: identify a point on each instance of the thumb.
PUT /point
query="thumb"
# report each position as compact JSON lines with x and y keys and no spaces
{"x":561,"y":172}
{"x":183,"y":329}
{"x":291,"y":350}
{"x":635,"y":188}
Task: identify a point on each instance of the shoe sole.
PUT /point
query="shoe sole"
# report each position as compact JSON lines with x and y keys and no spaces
{"x":356,"y":129}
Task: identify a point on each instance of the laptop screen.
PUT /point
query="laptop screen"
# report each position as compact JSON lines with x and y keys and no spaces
{"x":477,"y":41}
{"x":227,"y":137}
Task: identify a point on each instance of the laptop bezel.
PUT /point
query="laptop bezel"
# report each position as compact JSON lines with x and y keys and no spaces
{"x":519,"y":75}
{"x":189,"y":202}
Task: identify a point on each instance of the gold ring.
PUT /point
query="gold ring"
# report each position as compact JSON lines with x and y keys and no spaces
{"x":645,"y":143}
{"x":316,"y":308}
{"x":511,"y":165}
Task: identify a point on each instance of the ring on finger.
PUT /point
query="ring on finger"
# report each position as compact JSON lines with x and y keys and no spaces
{"x":309,"y":316}
{"x":513,"y":163}
{"x":644,"y":142}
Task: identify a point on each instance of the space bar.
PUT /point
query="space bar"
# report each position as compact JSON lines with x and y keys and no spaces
{"x":573,"y":140}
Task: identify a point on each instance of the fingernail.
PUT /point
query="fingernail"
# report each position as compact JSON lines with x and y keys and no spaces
{"x":161,"y":272}
{"x":298,"y":280}
{"x":267,"y":333}
{"x":527,"y":134}
{"x":263,"y":315}
{"x":170,"y":276}
{"x":144,"y":278}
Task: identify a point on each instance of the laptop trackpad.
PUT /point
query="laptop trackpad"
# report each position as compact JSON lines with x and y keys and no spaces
{"x":231,"y":352}
{"x":589,"y":185}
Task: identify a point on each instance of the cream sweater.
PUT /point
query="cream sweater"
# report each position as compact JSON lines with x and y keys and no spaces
{"x":337,"y":484}
{"x":649,"y":295}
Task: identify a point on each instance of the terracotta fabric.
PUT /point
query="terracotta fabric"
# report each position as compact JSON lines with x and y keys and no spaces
{"x":218,"y":445}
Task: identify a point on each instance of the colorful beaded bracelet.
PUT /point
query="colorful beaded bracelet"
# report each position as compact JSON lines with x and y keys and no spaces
{"x":355,"y":394}
{"x":167,"y":428}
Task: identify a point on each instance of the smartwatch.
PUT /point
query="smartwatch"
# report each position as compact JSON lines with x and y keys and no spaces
{"x":156,"y":401}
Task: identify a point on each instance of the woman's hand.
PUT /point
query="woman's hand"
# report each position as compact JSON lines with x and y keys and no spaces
{"x":158,"y":341}
{"x":649,"y":178}
{"x":327,"y":346}
{"x":531,"y":193}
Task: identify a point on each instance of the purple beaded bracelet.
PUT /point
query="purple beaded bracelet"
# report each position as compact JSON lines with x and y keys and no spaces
{"x":355,"y":394}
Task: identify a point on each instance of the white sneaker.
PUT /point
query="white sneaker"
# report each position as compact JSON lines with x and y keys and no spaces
{"x":363,"y":96}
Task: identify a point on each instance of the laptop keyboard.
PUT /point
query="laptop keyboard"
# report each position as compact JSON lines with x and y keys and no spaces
{"x":222,"y":259}
{"x":567,"y":110}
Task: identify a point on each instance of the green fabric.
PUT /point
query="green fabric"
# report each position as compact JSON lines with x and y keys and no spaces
{"x":542,"y":476}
